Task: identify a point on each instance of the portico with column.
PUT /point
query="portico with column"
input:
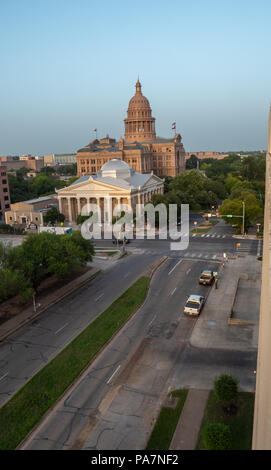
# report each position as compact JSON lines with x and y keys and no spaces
{"x":116,"y":182}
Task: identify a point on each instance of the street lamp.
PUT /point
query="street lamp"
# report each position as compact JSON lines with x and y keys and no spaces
{"x":243,"y":217}
{"x":195,"y":223}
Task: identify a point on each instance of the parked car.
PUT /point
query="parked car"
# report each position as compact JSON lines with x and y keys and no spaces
{"x":194,"y":305}
{"x":206,"y":278}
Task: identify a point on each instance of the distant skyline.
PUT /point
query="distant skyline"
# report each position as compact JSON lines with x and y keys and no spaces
{"x":68,"y":67}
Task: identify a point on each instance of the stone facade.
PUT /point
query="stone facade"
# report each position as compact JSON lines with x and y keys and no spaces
{"x":203,"y":155}
{"x":262,"y":408}
{"x":116,"y":182}
{"x":141,"y":149}
{"x":33,"y":210}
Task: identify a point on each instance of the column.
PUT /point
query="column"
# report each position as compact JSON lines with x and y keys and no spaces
{"x":69,"y":209}
{"x":60,"y":205}
{"x":78,"y":205}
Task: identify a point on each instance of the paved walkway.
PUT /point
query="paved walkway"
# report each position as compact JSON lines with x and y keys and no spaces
{"x":187,"y":430}
{"x":28,"y":314}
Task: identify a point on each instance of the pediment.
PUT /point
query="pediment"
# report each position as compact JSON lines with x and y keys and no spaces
{"x":91,"y":186}
{"x":152,"y":181}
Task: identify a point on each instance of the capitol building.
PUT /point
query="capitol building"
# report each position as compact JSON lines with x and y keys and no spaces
{"x":140,"y":148}
{"x":126,"y":172}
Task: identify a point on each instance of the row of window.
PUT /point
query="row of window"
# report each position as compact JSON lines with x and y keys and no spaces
{"x":6,"y":206}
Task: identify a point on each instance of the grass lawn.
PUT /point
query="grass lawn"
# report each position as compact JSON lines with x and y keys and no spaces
{"x":166,"y":423}
{"x":240,"y":424}
{"x":104,"y":252}
{"x":26,"y":408}
{"x":213,"y":222}
{"x":200,"y":230}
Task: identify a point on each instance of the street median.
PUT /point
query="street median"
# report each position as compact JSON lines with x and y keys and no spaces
{"x":33,"y":401}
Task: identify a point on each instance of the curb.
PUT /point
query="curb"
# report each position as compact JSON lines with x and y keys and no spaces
{"x":50,"y":304}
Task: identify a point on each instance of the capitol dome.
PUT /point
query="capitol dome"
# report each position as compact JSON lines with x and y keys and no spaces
{"x":139,"y":124}
{"x":116,"y":168}
{"x":138,"y":101}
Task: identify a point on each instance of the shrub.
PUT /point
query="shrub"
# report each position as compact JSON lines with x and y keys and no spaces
{"x":226,"y":388}
{"x":216,"y":436}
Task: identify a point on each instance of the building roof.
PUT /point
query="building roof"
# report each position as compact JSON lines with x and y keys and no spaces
{"x":39,"y":199}
{"x":117,"y":173}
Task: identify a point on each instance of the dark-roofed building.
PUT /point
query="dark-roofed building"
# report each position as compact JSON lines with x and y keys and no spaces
{"x":141,"y":149}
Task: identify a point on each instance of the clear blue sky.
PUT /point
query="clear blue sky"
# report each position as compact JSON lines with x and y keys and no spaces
{"x":69,"y":66}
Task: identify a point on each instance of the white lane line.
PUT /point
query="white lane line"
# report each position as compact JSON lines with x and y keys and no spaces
{"x":212,"y":236}
{"x":109,"y":380}
{"x":214,"y":257}
{"x":127,"y":274}
{"x":188,"y":271}
{"x":3,"y":376}
{"x":98,"y":297}
{"x":62,"y":328}
{"x":152,"y":320}
{"x":173,"y":291}
{"x":224,"y":236}
{"x":175,"y":267}
{"x":193,"y":255}
{"x":203,"y":235}
{"x":207,"y":236}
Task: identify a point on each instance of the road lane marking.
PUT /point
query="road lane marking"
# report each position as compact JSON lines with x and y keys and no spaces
{"x":109,"y":380}
{"x":3,"y":376}
{"x":203,"y":235}
{"x":152,"y":320}
{"x":62,"y":328}
{"x":127,"y":274}
{"x":173,"y":291}
{"x":207,"y":236}
{"x":188,"y":271}
{"x":98,"y":297}
{"x":214,"y":257}
{"x":175,"y":267}
{"x":224,"y":236}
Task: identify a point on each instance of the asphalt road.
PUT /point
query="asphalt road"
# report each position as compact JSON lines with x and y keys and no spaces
{"x":115,"y":403}
{"x":127,"y":380}
{"x":23,"y":353}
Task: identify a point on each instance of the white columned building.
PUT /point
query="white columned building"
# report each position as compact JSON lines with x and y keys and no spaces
{"x":116,"y":181}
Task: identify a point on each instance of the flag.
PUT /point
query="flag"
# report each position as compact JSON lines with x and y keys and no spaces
{"x":173,"y":126}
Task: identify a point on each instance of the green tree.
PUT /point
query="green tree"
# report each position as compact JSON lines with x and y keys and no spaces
{"x":226,"y":388}
{"x":12,"y":282}
{"x":216,"y":436}
{"x":53,"y":216}
{"x":44,"y":254}
{"x":191,"y":162}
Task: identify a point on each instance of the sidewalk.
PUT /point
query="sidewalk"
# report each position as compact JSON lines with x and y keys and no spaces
{"x":187,"y":430}
{"x":28,"y":314}
{"x":212,"y":329}
{"x":213,"y":332}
